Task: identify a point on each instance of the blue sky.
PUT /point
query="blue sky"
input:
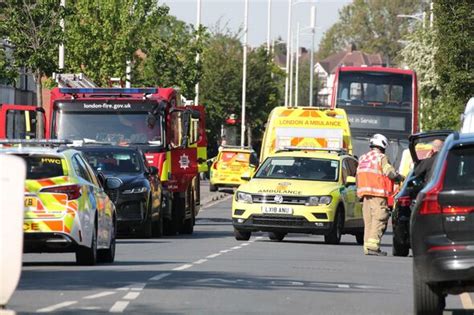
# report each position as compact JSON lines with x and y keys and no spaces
{"x":231,"y":12}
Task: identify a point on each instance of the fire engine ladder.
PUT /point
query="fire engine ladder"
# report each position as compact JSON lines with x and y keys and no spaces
{"x":73,"y":80}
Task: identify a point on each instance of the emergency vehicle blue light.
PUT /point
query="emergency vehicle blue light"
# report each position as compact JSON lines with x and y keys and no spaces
{"x":108,"y":90}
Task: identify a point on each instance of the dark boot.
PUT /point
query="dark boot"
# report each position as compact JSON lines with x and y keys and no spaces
{"x":372,"y":252}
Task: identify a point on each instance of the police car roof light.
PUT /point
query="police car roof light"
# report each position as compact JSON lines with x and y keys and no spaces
{"x":108,"y":90}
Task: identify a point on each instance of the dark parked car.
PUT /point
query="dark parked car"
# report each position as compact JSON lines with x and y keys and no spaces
{"x":442,"y":228}
{"x":138,"y":200}
{"x":419,"y":148}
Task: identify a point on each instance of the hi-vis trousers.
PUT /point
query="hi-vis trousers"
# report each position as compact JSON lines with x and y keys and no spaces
{"x":376,"y":216}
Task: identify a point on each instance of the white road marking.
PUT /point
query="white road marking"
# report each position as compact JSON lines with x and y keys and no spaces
{"x":131,"y":295}
{"x":236,"y":247}
{"x":245,"y":244}
{"x":466,"y":301}
{"x":343,"y":286}
{"x":138,"y":286}
{"x":225,"y":251}
{"x":200,"y":261}
{"x":56,"y":307}
{"x":213,"y":255}
{"x":159,"y":276}
{"x":98,"y":295}
{"x":183,"y":267}
{"x":119,"y":307}
{"x":259,"y":237}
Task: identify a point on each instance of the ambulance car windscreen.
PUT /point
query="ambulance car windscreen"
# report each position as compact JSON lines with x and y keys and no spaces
{"x":299,"y":168}
{"x":128,"y":127}
{"x":39,"y":167}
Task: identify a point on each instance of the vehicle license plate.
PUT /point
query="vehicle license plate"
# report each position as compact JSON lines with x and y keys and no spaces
{"x":277,"y":210}
{"x":30,"y":203}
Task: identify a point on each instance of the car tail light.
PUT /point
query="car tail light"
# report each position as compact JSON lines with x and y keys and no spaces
{"x":72,"y":191}
{"x":404,"y":201}
{"x":430,"y":204}
{"x":457,"y":210}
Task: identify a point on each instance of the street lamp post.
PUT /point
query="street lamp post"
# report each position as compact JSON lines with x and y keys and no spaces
{"x":61,"y":46}
{"x":198,"y":23}
{"x":244,"y":74}
{"x":311,"y":64}
{"x":269,"y":25}
{"x":288,"y":34}
{"x":297,"y":63}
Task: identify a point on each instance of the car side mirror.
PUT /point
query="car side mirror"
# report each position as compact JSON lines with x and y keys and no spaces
{"x":245,"y":177}
{"x":153,"y":170}
{"x":253,"y":165}
{"x":350,"y":180}
{"x":113,"y":183}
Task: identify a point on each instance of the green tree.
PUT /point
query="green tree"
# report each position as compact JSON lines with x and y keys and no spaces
{"x":419,"y":55}
{"x":32,"y":27}
{"x":7,"y":72}
{"x":103,"y":35}
{"x":221,"y":85}
{"x":372,"y":25}
{"x":454,"y":59}
{"x":170,"y":55}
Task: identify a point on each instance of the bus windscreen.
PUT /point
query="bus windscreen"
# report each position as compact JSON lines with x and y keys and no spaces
{"x":375,"y":89}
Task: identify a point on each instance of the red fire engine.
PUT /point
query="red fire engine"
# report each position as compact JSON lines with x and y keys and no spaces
{"x":171,"y":135}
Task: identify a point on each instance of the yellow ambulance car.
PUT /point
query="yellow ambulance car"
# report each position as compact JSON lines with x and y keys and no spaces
{"x":306,"y":181}
{"x":230,"y":164}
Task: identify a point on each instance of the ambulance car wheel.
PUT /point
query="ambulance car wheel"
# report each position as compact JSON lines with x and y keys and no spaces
{"x":212,"y":187}
{"x":242,"y":235}
{"x":108,"y":255}
{"x":334,"y":235}
{"x":276,"y":236}
{"x":87,"y":256}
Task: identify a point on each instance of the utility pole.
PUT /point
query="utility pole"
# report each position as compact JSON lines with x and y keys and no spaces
{"x":311,"y":64}
{"x":269,"y":25}
{"x":288,"y":34}
{"x":198,"y":24}
{"x":290,"y":98}
{"x":244,"y":75}
{"x":61,"y":46}
{"x":297,"y":62}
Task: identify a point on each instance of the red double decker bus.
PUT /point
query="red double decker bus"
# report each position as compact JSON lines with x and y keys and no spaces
{"x":378,"y":100}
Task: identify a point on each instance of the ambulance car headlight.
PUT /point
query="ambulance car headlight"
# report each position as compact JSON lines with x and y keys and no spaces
{"x":313,"y":201}
{"x":325,"y":200}
{"x":243,"y":197}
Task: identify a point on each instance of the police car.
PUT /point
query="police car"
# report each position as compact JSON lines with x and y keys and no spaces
{"x":66,"y":207}
{"x":300,"y":190}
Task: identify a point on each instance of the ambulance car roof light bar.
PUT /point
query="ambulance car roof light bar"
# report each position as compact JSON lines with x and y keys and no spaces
{"x":108,"y":90}
{"x":226,"y":146}
{"x":36,"y":142}
{"x":296,"y":148}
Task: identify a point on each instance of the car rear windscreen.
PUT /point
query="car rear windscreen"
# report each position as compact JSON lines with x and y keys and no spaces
{"x":38,"y":167}
{"x":460,"y":169}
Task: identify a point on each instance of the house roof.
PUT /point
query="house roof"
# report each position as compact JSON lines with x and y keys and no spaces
{"x":350,"y":57}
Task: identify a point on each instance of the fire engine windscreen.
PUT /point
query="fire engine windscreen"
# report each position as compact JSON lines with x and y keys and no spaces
{"x":128,"y":127}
